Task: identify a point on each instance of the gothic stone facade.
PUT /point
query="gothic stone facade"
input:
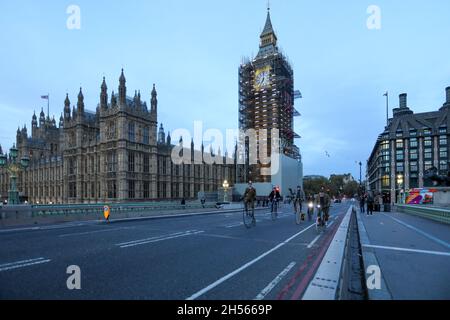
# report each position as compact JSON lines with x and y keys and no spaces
{"x":112,"y":155}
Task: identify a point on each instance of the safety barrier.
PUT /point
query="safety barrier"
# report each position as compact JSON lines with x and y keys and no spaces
{"x":433,"y":213}
{"x":10,"y":211}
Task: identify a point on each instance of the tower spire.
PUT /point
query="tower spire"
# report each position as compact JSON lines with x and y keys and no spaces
{"x":268,"y":28}
{"x":154,"y":100}
{"x":122,"y":89}
{"x":80,"y":103}
{"x":268,"y":38}
{"x":67,"y":107}
{"x":104,"y":95}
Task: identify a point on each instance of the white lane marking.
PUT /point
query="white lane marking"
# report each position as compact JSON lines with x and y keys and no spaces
{"x":161,"y":239}
{"x":245,"y":266}
{"x":317,"y":238}
{"x":68,"y":225}
{"x":91,"y":232}
{"x":71,"y":225}
{"x":23,"y":263}
{"x":234,"y":225}
{"x":312,"y":242}
{"x":274,"y":282}
{"x":152,"y":238}
{"x":19,"y":262}
{"x":425,"y":234}
{"x":439,"y":253}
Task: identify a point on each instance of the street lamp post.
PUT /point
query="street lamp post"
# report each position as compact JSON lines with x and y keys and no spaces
{"x":13,"y":168}
{"x":225,"y":186}
{"x":360,"y":174}
{"x":400,"y":186}
{"x":360,"y":177}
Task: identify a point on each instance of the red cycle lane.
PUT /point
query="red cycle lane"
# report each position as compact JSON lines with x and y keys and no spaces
{"x":311,"y":264}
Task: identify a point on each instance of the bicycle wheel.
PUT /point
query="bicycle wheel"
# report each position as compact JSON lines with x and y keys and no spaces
{"x":274,"y":211}
{"x":318,"y":222}
{"x":248,"y":218}
{"x":297,"y":215}
{"x":318,"y":227}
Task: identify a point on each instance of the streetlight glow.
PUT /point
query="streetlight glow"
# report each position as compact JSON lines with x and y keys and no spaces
{"x":225,"y":186}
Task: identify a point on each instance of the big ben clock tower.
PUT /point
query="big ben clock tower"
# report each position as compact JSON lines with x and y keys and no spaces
{"x":266,"y":101}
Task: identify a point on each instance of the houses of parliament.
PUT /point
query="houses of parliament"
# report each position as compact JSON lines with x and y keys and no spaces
{"x":114,"y":154}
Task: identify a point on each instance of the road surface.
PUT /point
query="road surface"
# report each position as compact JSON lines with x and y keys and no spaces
{"x":197,"y":257}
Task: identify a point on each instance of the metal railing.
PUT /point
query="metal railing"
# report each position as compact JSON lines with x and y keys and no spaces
{"x":94,"y":209}
{"x":433,"y":213}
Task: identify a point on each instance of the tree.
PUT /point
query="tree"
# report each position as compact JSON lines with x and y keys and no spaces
{"x":351,"y":188}
{"x":338,"y":185}
{"x":313,"y":186}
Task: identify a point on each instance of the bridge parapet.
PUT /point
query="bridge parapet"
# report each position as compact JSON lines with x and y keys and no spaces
{"x":433,"y":213}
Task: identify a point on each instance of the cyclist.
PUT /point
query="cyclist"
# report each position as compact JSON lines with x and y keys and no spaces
{"x":274,"y":197}
{"x":324,"y":200}
{"x":249,"y":198}
{"x":299,"y":197}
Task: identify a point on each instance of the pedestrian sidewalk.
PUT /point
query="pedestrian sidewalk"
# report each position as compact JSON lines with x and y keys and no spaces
{"x":412,"y":253}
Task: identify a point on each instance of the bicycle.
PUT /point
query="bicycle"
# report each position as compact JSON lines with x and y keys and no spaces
{"x":299,"y":216}
{"x":321,"y":224}
{"x":274,"y":211}
{"x":249,"y":216}
{"x":310,"y":210}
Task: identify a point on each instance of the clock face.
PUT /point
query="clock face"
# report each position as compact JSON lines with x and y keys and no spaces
{"x":262,"y":78}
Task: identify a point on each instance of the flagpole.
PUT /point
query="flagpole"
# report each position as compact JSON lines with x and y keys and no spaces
{"x":48,"y":105}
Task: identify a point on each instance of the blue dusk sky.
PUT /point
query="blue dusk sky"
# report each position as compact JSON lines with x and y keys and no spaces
{"x":192,"y":50}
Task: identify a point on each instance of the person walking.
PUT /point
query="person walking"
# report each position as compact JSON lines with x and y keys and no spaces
{"x":370,"y":203}
{"x":362,"y":203}
{"x":379,"y":202}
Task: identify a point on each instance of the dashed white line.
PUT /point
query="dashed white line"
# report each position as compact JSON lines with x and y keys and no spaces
{"x":23,"y":263}
{"x":152,"y":238}
{"x":312,"y":242}
{"x":234,"y":225}
{"x":157,"y":239}
{"x":274,"y":282}
{"x":92,"y":232}
{"x":245,"y":266}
